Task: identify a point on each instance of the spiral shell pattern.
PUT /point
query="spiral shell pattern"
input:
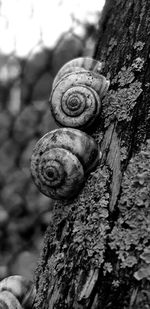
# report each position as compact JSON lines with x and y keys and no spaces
{"x":21,"y":288}
{"x":78,"y":64}
{"x":61,"y":160}
{"x":77,"y":91}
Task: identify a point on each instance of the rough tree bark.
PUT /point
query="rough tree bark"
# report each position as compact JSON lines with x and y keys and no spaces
{"x":96,"y":254}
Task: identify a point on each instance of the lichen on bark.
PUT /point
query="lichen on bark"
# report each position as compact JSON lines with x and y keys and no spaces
{"x":96,"y":252}
{"x":131,"y":232}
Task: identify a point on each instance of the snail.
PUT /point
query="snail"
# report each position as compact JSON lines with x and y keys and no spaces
{"x":9,"y":301}
{"x":21,"y":288}
{"x":77,"y":91}
{"x":61,"y":160}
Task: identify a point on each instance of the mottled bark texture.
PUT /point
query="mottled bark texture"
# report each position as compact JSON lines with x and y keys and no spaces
{"x":96,"y":253}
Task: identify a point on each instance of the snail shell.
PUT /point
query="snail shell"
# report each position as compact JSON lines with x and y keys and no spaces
{"x":21,"y":288}
{"x":61,"y":160}
{"x":77,"y":91}
{"x":9,"y":301}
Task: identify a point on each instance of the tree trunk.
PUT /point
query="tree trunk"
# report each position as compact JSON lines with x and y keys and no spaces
{"x":96,"y":253}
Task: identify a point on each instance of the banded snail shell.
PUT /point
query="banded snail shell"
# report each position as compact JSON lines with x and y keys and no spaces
{"x":61,"y":160}
{"x":21,"y":288}
{"x":9,"y":301}
{"x":77,"y":91}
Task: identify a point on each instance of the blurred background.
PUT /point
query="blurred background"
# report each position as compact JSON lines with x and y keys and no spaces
{"x":36,"y":38}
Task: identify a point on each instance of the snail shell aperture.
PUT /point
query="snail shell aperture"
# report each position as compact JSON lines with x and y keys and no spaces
{"x":77,"y":91}
{"x":9,"y":301}
{"x":61,"y":160}
{"x":21,"y":288}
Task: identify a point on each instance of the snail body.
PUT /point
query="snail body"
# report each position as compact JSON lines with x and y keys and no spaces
{"x":9,"y":301}
{"x":21,"y":288}
{"x":77,"y":91}
{"x":61,"y":160}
